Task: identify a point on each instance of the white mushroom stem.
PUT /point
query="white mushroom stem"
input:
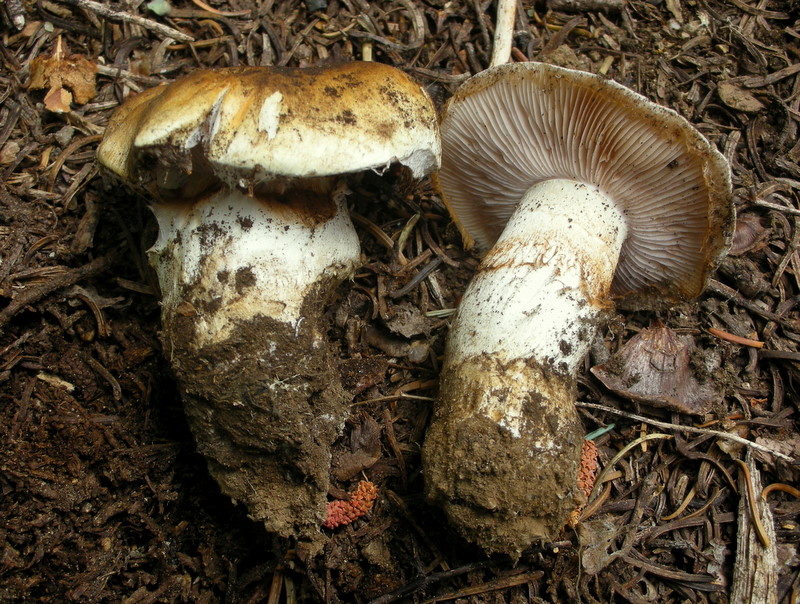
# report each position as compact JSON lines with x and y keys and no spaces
{"x":503,"y":31}
{"x":245,"y":280}
{"x":231,"y":257}
{"x":539,"y":290}
{"x":502,"y":451}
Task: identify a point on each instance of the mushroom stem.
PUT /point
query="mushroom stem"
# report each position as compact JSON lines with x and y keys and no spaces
{"x":245,"y":280}
{"x":503,"y":31}
{"x":503,"y":449}
{"x":231,"y":256}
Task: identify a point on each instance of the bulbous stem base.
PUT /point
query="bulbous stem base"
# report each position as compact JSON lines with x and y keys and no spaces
{"x":264,"y":406}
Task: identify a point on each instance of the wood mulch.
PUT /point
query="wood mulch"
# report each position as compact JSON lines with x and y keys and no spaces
{"x":104,"y":497}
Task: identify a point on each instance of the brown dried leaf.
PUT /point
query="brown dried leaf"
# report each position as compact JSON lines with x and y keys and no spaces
{"x":597,"y":538}
{"x":415,"y":351}
{"x":348,"y":465}
{"x":408,"y":321}
{"x":750,"y":234}
{"x":737,"y":98}
{"x":58,"y":100}
{"x":653,"y":368}
{"x":365,"y":450}
{"x":8,"y":153}
{"x":367,"y":437}
{"x":61,"y":71}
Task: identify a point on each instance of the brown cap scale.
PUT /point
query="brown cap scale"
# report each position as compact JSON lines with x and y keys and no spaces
{"x":585,"y":194}
{"x":243,"y":167}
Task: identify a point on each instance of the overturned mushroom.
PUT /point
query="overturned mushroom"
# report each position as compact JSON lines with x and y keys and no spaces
{"x":243,"y":167}
{"x":587,"y":194}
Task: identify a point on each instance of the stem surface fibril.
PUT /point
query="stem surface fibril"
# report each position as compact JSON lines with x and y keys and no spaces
{"x":544,"y":280}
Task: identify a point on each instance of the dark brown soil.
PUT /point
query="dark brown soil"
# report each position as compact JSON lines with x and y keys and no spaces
{"x":501,"y":490}
{"x":264,"y":406}
{"x":104,"y":495}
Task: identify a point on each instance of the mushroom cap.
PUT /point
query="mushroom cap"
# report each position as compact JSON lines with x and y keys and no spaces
{"x":515,"y":125}
{"x":250,"y":126}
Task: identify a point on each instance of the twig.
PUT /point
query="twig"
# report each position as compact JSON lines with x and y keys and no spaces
{"x":752,"y":10}
{"x":441,"y":313}
{"x":118,"y":72}
{"x":439,"y":76}
{"x":426,"y":270}
{"x":493,"y":585}
{"x":776,"y":206}
{"x":779,"y":486}
{"x":621,"y":454}
{"x":428,"y":580}
{"x":106,"y":375}
{"x":585,"y":6}
{"x":388,"y":427}
{"x":374,"y":229}
{"x":561,"y":35}
{"x":31,"y":295}
{"x":790,"y":253}
{"x":479,"y":15}
{"x":394,"y":397}
{"x":211,"y":9}
{"x":761,"y":81}
{"x":16,"y":13}
{"x":596,"y":503}
{"x":789,"y":355}
{"x":110,"y":13}
{"x":692,"y":429}
{"x":751,"y":500}
{"x":724,"y":335}
{"x":696,"y":581}
{"x":729,"y":293}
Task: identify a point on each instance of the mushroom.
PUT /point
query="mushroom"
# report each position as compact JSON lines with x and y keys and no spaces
{"x":244,"y":170}
{"x":588,"y":195}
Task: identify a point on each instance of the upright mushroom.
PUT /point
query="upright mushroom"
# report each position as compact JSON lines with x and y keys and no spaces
{"x":588,"y":195}
{"x":243,"y":167}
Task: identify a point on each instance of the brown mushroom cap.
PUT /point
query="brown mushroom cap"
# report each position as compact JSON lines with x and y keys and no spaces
{"x":254,"y":125}
{"x":515,"y":125}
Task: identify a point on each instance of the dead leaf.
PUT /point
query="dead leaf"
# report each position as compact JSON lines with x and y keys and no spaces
{"x":67,"y":78}
{"x":653,"y":368}
{"x":409,"y":321}
{"x":8,"y":153}
{"x":367,"y":437}
{"x":596,"y":538}
{"x":737,"y":98}
{"x":674,"y":6}
{"x":415,"y":351}
{"x":750,"y":234}
{"x":58,"y":100}
{"x":365,"y":450}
